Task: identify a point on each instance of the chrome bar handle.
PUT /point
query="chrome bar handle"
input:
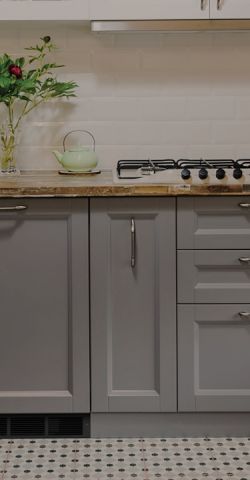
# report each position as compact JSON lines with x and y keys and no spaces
{"x":244,"y":315}
{"x":132,"y":242}
{"x":202,"y":4}
{"x":244,"y":260}
{"x":219,"y":5}
{"x":13,"y":208}
{"x":244,"y":205}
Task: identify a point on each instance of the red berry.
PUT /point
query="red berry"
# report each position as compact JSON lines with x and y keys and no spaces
{"x":46,"y":39}
{"x":15,"y":70}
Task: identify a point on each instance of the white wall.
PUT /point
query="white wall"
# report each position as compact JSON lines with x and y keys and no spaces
{"x":158,"y":95}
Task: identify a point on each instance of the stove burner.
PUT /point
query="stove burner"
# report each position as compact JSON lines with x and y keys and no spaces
{"x":222,"y":163}
{"x":146,"y":166}
{"x":151,"y":167}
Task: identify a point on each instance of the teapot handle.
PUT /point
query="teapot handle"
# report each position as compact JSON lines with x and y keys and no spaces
{"x":84,"y":131}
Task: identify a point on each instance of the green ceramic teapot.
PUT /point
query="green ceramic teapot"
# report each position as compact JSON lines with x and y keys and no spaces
{"x":79,"y":158}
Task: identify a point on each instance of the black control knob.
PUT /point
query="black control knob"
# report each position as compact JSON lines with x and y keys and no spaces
{"x":203,"y":173}
{"x":237,"y":173}
{"x":185,"y":174}
{"x":220,"y":173}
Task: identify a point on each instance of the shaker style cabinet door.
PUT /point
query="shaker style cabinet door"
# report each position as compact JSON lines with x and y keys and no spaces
{"x":133,"y":306}
{"x":148,"y":9}
{"x":213,"y":276}
{"x":44,"y":10}
{"x":213,"y":223}
{"x":44,"y":342}
{"x":226,"y":9}
{"x":214,"y":358}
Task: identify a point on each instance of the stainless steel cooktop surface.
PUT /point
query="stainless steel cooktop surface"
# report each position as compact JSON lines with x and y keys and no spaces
{"x":183,"y":171}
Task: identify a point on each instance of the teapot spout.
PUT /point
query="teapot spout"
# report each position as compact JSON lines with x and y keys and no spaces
{"x":58,"y":155}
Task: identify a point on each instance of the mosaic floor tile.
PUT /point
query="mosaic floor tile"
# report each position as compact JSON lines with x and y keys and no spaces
{"x":46,"y":459}
{"x":110,"y":459}
{"x":5,"y":448}
{"x":231,"y":458}
{"x":126,"y":459}
{"x":197,"y":459}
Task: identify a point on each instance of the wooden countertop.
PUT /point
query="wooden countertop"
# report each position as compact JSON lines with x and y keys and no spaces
{"x":52,"y":184}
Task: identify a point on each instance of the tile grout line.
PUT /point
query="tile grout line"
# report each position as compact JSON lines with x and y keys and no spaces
{"x":75,"y":458}
{"x":5,"y":463}
{"x":213,"y":460}
{"x":145,"y":474}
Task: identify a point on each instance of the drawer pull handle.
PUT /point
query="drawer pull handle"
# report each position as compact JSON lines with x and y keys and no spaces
{"x":244,"y":315}
{"x":15,"y":208}
{"x":244,"y":259}
{"x":132,"y":242}
{"x":244,"y":205}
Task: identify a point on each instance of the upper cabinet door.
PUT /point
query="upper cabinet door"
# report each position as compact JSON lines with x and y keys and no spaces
{"x":148,"y":9}
{"x":226,"y":9}
{"x":44,"y":10}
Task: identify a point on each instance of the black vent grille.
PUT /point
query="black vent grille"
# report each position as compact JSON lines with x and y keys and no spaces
{"x":65,"y":426}
{"x":3,"y":427}
{"x":43,"y":426}
{"x":26,"y":426}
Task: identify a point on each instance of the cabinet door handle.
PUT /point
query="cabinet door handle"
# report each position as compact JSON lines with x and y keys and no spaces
{"x":132,"y":242}
{"x":202,"y":4}
{"x":15,"y":208}
{"x":244,"y":259}
{"x":244,"y":315}
{"x":244,"y":205}
{"x":219,"y":5}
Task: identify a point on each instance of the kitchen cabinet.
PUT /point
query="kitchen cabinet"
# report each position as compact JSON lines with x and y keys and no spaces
{"x":148,"y":9}
{"x":44,"y":340}
{"x":214,"y":358}
{"x":213,"y":276}
{"x":229,"y":9}
{"x":213,"y":223}
{"x":133,"y":305}
{"x":213,"y":240}
{"x":44,"y":10}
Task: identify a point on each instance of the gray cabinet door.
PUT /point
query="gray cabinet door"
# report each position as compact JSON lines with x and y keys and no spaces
{"x":213,"y":223}
{"x":214,"y":358}
{"x":133,"y":309}
{"x":213,"y":276}
{"x":44,"y":358}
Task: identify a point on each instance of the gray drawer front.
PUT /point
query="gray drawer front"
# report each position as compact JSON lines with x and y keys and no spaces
{"x":213,"y":276}
{"x":213,"y":358}
{"x":213,"y":223}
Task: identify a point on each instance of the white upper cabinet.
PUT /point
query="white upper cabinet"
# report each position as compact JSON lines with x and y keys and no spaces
{"x":230,"y":9}
{"x":149,"y":9}
{"x":44,"y":10}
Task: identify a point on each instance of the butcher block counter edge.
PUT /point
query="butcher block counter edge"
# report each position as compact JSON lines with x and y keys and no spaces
{"x":52,"y":184}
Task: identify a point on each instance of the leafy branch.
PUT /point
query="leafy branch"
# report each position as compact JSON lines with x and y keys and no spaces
{"x":30,"y":81}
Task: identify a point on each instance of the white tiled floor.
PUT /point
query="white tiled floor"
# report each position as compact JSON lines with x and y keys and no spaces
{"x":126,"y":459}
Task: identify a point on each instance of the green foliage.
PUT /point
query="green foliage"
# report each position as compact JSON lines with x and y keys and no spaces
{"x":35,"y":84}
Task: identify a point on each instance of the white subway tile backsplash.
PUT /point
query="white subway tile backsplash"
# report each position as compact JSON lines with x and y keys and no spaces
{"x":141,"y":94}
{"x":211,"y":108}
{"x":212,"y":151}
{"x":243,"y":108}
{"x":236,"y":132}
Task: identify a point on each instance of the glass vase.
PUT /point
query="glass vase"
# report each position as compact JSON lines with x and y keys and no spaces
{"x":7,"y":155}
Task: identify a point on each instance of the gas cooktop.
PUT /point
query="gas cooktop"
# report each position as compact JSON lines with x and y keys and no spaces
{"x":183,"y":171}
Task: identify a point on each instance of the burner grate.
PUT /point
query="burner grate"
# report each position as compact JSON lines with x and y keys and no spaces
{"x":153,"y":165}
{"x":243,"y":163}
{"x":215,"y":163}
